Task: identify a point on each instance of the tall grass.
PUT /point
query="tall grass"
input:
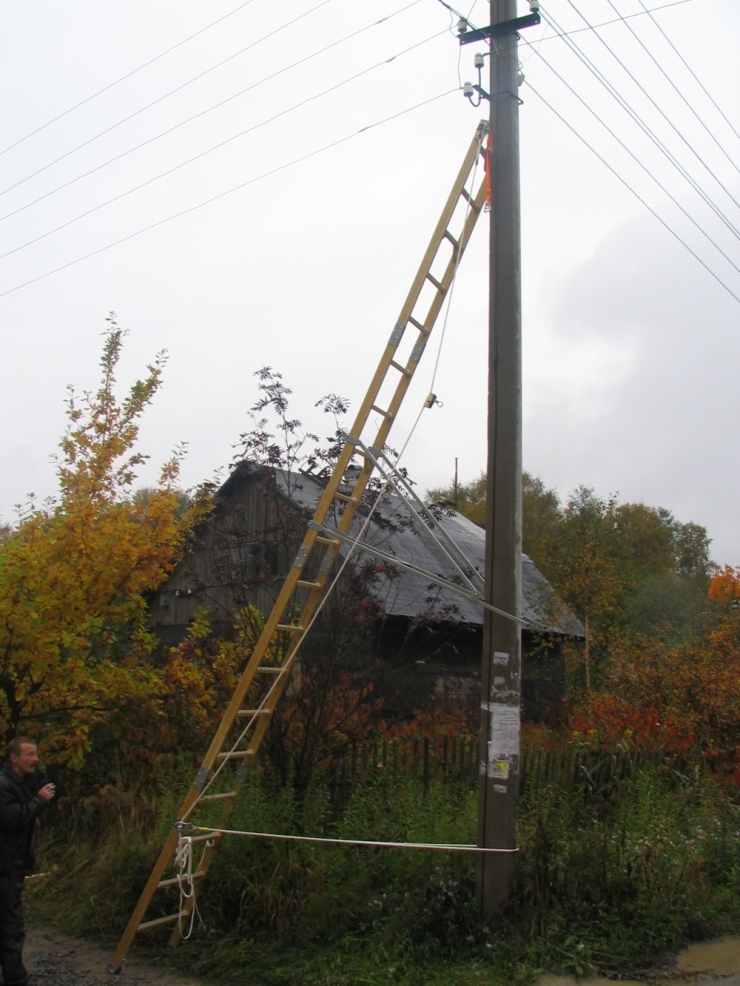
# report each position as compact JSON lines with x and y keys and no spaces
{"x":609,"y":877}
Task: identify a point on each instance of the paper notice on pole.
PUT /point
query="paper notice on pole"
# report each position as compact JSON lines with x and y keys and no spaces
{"x":500,"y":657}
{"x":504,"y":730}
{"x":498,"y":769}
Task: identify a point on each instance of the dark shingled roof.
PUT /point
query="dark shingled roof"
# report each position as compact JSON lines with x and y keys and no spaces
{"x":395,"y":530}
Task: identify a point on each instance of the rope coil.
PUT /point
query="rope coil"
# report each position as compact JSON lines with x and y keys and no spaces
{"x":186,"y":883}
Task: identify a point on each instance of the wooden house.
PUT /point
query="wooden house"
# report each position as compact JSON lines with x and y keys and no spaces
{"x":426,"y":638}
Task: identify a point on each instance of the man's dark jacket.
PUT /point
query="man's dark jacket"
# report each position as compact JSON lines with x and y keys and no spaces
{"x":19,"y":807}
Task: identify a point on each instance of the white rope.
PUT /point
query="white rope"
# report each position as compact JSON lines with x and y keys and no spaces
{"x":186,"y":883}
{"x":442,"y":847}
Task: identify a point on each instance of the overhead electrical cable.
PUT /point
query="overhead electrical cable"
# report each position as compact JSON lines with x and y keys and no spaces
{"x":223,"y":143}
{"x":660,"y":68}
{"x":647,"y":130}
{"x":172,"y":92}
{"x":635,"y":158}
{"x":230,"y":191}
{"x":617,"y":20}
{"x":128,"y":75}
{"x":662,"y":112}
{"x":577,"y":30}
{"x":637,"y":195}
{"x":707,"y":93}
{"x":210,"y":109}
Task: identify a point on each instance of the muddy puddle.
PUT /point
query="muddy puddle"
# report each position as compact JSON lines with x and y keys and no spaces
{"x":714,"y":961}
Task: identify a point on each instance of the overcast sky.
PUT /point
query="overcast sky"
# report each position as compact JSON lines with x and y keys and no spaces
{"x":632,"y":348}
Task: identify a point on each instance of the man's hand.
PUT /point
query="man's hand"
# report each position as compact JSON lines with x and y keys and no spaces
{"x":47,"y":792}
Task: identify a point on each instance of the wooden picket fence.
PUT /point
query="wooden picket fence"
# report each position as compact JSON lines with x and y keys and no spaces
{"x":454,"y":759}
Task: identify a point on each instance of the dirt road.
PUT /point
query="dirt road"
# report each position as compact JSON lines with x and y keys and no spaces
{"x":58,"y":960}
{"x":55,"y":959}
{"x":715,"y":962}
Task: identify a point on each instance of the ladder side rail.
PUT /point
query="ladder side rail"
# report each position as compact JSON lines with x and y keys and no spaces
{"x":404,"y":382}
{"x":328,"y":496}
{"x":381,"y":373}
{"x":434,"y":310}
{"x":325,"y":503}
{"x":418,"y":282}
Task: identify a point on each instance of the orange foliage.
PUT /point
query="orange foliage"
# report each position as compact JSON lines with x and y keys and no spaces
{"x":672,"y":696}
{"x":724,"y":584}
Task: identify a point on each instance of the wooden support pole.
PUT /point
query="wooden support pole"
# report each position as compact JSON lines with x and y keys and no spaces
{"x":501,"y":666}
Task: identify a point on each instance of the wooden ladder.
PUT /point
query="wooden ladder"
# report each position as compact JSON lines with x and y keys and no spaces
{"x":252,"y":723}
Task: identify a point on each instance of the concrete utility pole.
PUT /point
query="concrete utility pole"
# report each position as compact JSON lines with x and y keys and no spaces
{"x":501,"y":669}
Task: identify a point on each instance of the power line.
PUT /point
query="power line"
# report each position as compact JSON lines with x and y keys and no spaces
{"x":635,"y":158}
{"x":693,"y":73}
{"x":642,"y":44}
{"x":236,"y":188}
{"x":657,"y":107}
{"x":228,"y":140}
{"x":634,"y":192}
{"x":580,"y":30}
{"x":647,"y":130}
{"x":159,"y":99}
{"x":210,"y":109}
{"x":616,"y":20}
{"x":123,"y":78}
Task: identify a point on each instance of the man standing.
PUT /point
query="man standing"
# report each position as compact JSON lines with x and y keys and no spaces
{"x":19,"y":806}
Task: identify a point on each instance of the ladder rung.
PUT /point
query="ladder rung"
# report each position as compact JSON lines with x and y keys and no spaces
{"x":236,"y":755}
{"x":175,"y":880}
{"x":347,"y":499}
{"x":252,"y":712}
{"x":448,"y":235}
{"x":218,"y":797}
{"x":470,"y":200}
{"x":268,"y":670}
{"x":170,"y":919}
{"x":385,"y":414}
{"x":401,"y":369}
{"x":290,"y":626}
{"x":323,"y":540}
{"x":308,"y":585}
{"x":436,"y":283}
{"x":418,"y":325}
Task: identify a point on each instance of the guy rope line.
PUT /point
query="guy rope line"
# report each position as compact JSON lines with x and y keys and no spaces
{"x":440,"y":846}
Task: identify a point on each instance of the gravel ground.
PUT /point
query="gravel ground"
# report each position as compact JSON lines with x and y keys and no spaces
{"x":54,"y":959}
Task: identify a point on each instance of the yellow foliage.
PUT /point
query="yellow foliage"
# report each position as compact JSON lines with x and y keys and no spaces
{"x":73,"y":573}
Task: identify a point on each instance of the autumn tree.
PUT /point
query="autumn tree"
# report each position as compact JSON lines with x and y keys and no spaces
{"x":74,"y":572}
{"x":540,"y":508}
{"x":469,"y":499}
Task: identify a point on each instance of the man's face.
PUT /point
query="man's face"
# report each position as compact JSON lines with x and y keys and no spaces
{"x":25,"y":762}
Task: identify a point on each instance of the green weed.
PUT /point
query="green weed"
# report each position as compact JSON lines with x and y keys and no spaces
{"x":609,"y":877}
